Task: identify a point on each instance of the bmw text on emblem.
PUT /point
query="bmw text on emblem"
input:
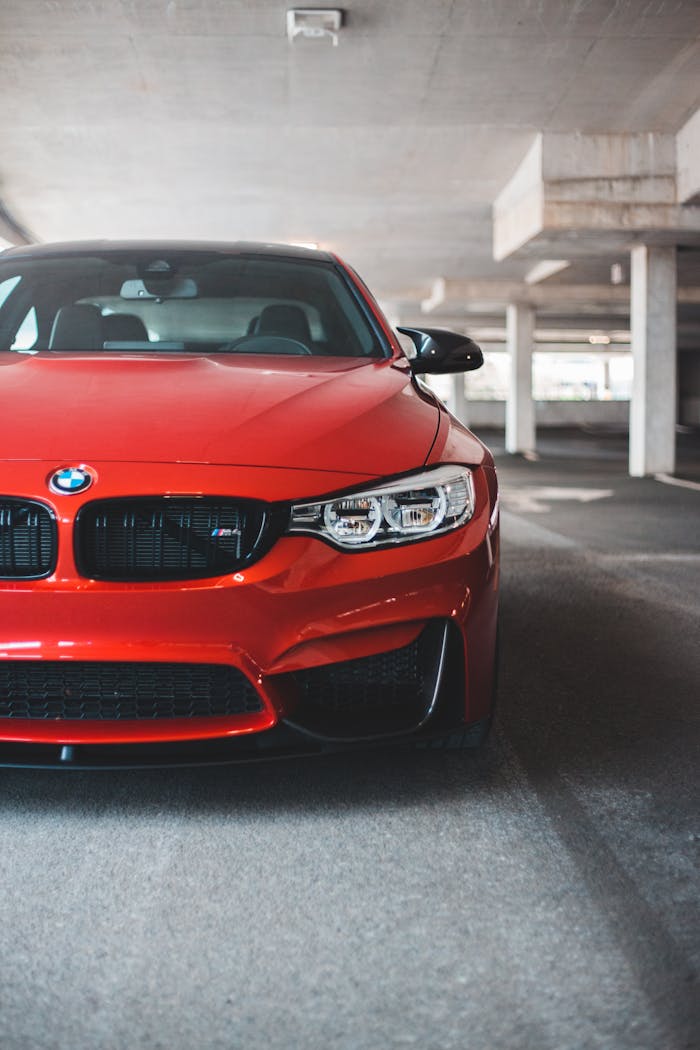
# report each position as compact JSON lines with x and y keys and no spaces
{"x":70,"y":481}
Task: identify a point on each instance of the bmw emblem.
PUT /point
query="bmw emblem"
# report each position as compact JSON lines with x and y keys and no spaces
{"x":70,"y":481}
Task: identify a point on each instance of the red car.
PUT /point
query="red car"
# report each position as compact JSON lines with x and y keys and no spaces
{"x":233,"y":520}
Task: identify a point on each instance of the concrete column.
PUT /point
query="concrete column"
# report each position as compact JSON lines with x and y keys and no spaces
{"x":520,"y":408}
{"x":653,"y":325}
{"x":460,"y":406}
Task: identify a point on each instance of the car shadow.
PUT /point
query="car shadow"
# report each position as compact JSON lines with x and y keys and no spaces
{"x":355,"y":780}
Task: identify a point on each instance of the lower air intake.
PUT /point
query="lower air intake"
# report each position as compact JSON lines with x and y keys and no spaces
{"x":374,"y":696}
{"x":48,"y":689}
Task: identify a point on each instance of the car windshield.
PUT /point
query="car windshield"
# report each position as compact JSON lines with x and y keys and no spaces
{"x":166,"y":301}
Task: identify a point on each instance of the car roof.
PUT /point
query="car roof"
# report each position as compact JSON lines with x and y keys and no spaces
{"x":63,"y":248}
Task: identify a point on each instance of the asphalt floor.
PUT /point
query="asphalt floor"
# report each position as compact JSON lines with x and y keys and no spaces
{"x":542,"y":894}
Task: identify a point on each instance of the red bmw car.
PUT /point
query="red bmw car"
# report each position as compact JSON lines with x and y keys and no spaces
{"x":233,"y":520}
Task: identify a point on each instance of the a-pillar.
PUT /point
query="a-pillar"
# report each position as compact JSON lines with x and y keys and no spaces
{"x":520,"y":409}
{"x":653,"y":408}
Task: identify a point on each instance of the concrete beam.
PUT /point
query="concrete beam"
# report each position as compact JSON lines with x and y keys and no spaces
{"x":503,"y":292}
{"x":688,"y":161}
{"x":518,"y":211}
{"x":544,"y":269}
{"x":592,"y":193}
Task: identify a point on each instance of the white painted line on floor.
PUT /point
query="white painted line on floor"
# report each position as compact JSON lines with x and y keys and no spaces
{"x":523,"y":533}
{"x":534,"y":500}
{"x":681,"y":483}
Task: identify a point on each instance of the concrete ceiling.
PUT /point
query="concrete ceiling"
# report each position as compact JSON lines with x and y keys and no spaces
{"x":198,"y":118}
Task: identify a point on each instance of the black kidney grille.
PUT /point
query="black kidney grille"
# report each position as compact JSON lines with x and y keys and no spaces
{"x":28,"y":544}
{"x":160,"y":538}
{"x":45,"y":689}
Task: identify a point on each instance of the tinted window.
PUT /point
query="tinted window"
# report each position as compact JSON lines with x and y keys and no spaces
{"x":182,"y":302}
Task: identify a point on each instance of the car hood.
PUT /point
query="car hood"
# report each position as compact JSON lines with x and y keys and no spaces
{"x":329,"y":414}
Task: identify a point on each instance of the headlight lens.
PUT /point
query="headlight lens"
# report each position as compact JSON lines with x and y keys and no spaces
{"x":425,"y":504}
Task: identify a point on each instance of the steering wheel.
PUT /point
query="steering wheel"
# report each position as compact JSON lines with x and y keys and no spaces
{"x":265,"y":344}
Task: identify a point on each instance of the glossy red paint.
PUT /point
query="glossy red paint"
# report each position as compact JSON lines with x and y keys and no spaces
{"x":216,"y":409}
{"x":282,"y":429}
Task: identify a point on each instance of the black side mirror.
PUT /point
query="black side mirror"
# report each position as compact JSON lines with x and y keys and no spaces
{"x":439,"y":352}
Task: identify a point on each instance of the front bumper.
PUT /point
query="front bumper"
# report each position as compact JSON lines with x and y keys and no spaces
{"x":303,"y":606}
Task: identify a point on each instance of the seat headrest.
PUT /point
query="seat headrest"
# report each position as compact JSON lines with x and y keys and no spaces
{"x":77,"y":328}
{"x":124,"y":328}
{"x":285,"y":320}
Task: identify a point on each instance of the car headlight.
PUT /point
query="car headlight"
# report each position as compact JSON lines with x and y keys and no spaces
{"x":411,"y":508}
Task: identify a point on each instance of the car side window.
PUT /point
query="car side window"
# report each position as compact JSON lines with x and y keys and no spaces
{"x":7,"y":287}
{"x":28,"y":332}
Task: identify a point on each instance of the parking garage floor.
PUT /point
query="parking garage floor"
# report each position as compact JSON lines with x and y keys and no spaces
{"x":542,"y":894}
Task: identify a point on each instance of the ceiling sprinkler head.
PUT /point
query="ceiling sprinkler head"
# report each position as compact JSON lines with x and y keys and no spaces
{"x":314,"y":23}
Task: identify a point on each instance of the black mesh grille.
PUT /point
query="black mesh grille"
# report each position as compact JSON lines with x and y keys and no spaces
{"x":160,"y":538}
{"x":384,"y":680}
{"x":391,"y":692}
{"x":113,"y":691}
{"x":27,"y":539}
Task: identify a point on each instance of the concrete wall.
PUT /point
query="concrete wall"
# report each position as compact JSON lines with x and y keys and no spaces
{"x":598,"y":413}
{"x":553,"y":413}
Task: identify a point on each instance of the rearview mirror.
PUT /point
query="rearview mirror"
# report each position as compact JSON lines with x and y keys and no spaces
{"x":160,"y":288}
{"x":439,"y":352}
